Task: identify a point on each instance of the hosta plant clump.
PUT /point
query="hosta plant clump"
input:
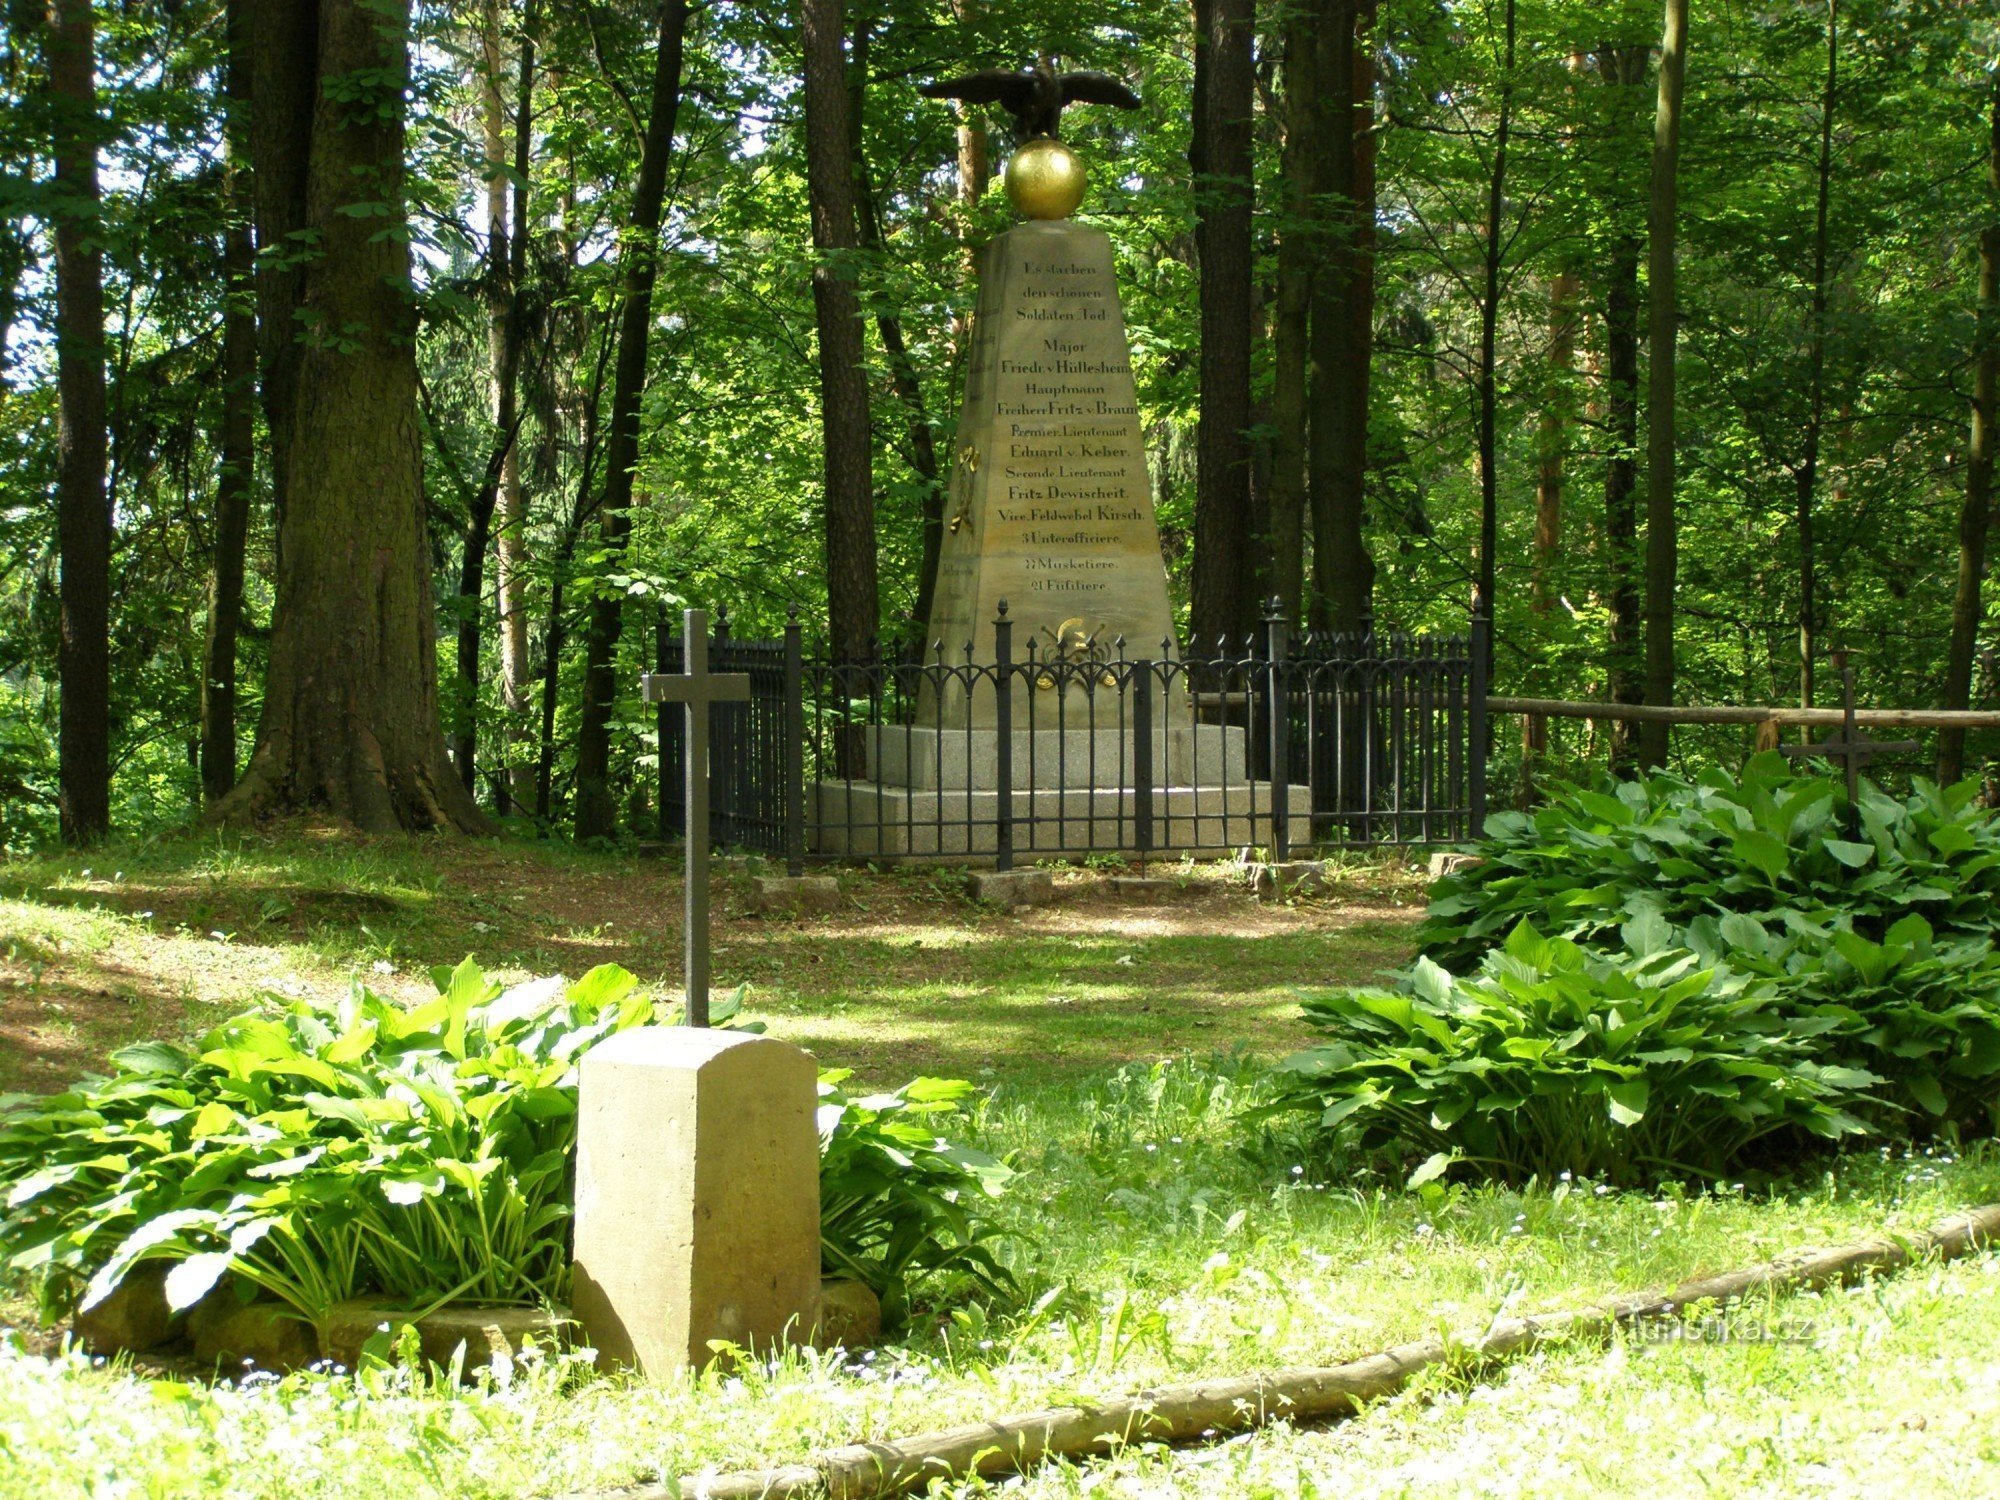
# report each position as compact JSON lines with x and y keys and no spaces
{"x":1552,"y":1058}
{"x":1767,"y":843}
{"x":321,"y":1153}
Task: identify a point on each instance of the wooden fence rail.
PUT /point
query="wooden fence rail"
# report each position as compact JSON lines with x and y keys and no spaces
{"x":1768,"y":719}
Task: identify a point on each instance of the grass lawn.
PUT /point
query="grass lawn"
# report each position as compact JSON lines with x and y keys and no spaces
{"x":907,"y":977}
{"x":1159,"y":1239}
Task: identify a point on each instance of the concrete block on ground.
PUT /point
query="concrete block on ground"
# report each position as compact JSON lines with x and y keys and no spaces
{"x":134,"y":1318}
{"x":485,"y":1332}
{"x":697,"y":1196}
{"x":268,"y":1335}
{"x":1011,"y":887}
{"x":1144,"y":887}
{"x":1294,"y":878}
{"x":849,"y":1316}
{"x":1451,"y":861}
{"x":797,"y":893}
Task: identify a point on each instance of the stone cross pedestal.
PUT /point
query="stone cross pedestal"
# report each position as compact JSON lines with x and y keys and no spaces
{"x":697,"y":1196}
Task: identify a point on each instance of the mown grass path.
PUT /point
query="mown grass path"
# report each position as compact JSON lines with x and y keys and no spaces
{"x":907,"y":976}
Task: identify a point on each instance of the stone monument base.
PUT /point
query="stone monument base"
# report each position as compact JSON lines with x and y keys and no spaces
{"x":1076,"y":757}
{"x":865,"y":820}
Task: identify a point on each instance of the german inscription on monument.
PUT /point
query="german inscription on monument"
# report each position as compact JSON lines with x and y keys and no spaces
{"x":1051,"y":505}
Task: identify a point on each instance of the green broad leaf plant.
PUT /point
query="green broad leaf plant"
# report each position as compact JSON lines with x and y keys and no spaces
{"x":901,"y":1207}
{"x":319,"y":1153}
{"x":1623,"y":1068}
{"x":1768,"y":843}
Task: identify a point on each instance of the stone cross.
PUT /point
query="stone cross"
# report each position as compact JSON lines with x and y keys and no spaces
{"x":696,"y":688}
{"x":1850,"y":747}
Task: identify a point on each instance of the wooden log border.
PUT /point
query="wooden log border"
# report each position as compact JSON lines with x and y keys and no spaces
{"x":1210,"y":1408}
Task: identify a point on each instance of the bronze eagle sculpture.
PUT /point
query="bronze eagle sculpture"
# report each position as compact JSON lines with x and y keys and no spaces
{"x":1035,"y":96}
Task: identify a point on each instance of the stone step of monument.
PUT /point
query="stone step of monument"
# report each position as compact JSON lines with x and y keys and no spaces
{"x":868,"y":820}
{"x":1075,"y":755}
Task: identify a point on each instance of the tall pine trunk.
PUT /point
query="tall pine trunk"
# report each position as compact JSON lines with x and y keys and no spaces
{"x":921,"y":450}
{"x":596,"y":806}
{"x":1975,"y":516}
{"x":1291,"y":313}
{"x":1806,"y":477}
{"x":236,"y":439}
{"x":284,"y":50}
{"x":350,"y":724}
{"x":496,"y":504}
{"x":1489,"y":324}
{"x":83,"y":505}
{"x":504,"y":346}
{"x":1623,"y":67}
{"x":1551,"y":451}
{"x":1224,"y":585}
{"x":843,"y":388}
{"x":1343,"y":313}
{"x":1662,"y":522}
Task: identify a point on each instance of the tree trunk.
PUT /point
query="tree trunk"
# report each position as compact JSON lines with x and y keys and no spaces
{"x":1806,"y":477}
{"x":903,"y":376}
{"x":1343,"y":313}
{"x":1975,"y":517}
{"x":1662,"y":562}
{"x":849,"y":499}
{"x":596,"y":807}
{"x":350,"y":723}
{"x":1291,"y":315}
{"x":1489,"y":325}
{"x":284,"y":42}
{"x":237,"y":437}
{"x":511,"y":517}
{"x":498,"y":497}
{"x":1623,"y":68}
{"x":83,"y":506}
{"x":1224,"y":601}
{"x":1551,"y":449}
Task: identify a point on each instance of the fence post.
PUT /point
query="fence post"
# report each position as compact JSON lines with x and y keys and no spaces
{"x":1277,"y":709}
{"x":795,"y":746}
{"x":1475,"y":718}
{"x":660,"y":664}
{"x":1003,"y":725}
{"x":1142,"y":758}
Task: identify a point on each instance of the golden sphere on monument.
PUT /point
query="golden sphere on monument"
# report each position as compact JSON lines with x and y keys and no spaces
{"x":1045,"y":179}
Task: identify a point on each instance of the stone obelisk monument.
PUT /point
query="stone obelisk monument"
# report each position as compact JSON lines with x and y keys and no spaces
{"x":1049,"y":513}
{"x":1050,"y":505}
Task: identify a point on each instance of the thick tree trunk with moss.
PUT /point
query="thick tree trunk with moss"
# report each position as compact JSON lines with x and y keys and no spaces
{"x":83,"y":507}
{"x":350,"y":724}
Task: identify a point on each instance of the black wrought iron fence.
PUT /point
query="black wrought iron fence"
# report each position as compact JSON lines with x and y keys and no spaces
{"x":1065,"y":749}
